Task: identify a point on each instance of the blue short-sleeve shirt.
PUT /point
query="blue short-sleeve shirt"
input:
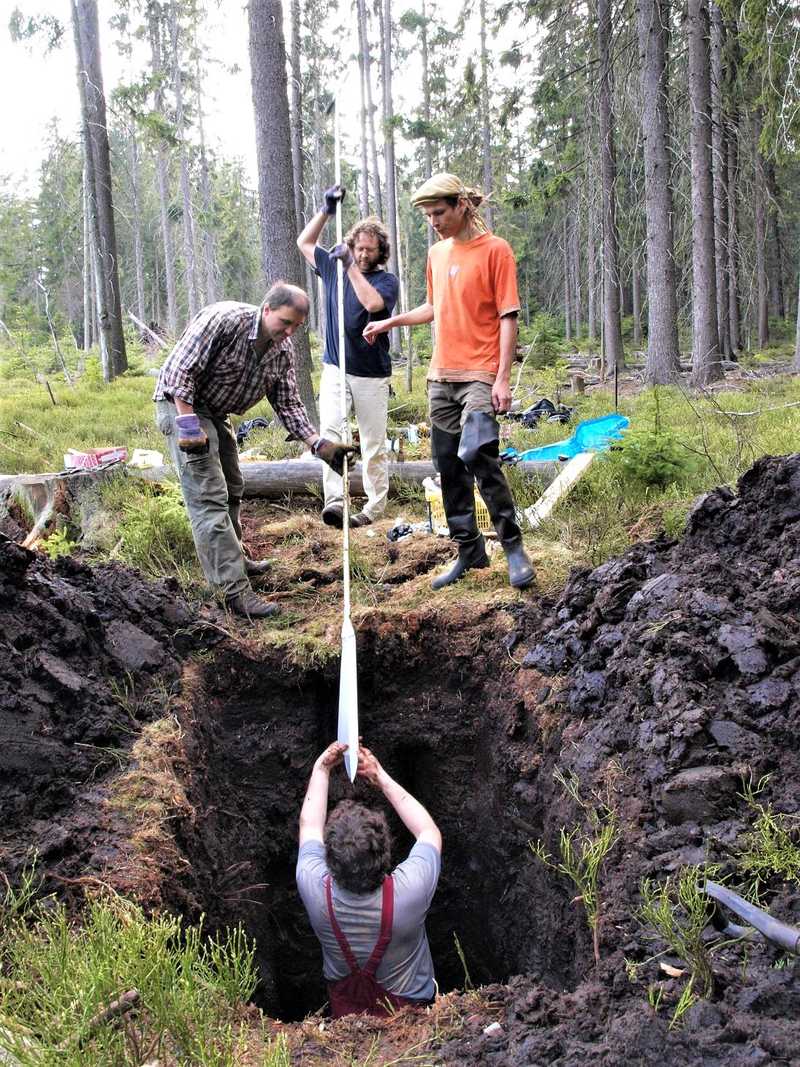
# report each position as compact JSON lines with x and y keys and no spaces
{"x":363,"y":360}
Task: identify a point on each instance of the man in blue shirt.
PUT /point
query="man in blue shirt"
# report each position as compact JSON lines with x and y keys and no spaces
{"x":370,"y":294}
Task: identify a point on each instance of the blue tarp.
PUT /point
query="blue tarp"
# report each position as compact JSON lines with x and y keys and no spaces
{"x":591,"y":435}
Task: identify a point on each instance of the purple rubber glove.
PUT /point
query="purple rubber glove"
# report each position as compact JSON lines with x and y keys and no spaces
{"x":332,"y":196}
{"x":192,"y":438}
{"x":343,"y":253}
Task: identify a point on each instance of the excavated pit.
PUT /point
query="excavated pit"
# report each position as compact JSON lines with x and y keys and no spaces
{"x":435,"y":717}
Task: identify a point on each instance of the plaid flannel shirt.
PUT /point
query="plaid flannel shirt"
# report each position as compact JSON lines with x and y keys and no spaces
{"x":215,"y":367}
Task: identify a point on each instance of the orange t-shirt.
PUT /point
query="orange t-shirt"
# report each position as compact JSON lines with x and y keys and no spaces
{"x":471,"y":284}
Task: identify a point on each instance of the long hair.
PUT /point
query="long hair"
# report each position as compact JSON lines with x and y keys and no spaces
{"x":372,"y":227}
{"x":451,"y":189}
{"x":357,"y":847}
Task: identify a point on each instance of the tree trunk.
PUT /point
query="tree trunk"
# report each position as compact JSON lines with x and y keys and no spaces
{"x":591,"y":262}
{"x":760,"y":234}
{"x":796,"y":364}
{"x":138,"y":247}
{"x":296,"y":115}
{"x":402,"y":267}
{"x":88,"y":257}
{"x":88,"y":44}
{"x":279,"y":254}
{"x":427,"y":165}
{"x":565,"y":266}
{"x":162,"y":172}
{"x":320,"y":320}
{"x":363,"y":33}
{"x":296,"y":129}
{"x":719,"y":167}
{"x":612,"y":330}
{"x":156,"y":301}
{"x":186,"y":195}
{"x":209,"y":244}
{"x":576,"y":272}
{"x":636,"y":300}
{"x":486,"y":140}
{"x":732,"y":175}
{"x":662,"y":363}
{"x":100,"y":318}
{"x":706,"y":366}
{"x":363,"y":185}
{"x":388,"y":140}
{"x":775,"y":258}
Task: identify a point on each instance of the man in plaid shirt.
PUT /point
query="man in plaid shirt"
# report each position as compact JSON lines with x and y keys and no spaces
{"x":229,"y":357}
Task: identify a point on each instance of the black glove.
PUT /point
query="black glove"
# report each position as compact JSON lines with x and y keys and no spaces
{"x":343,"y":253}
{"x":333,"y":454}
{"x":192,"y":438}
{"x":332,"y":197}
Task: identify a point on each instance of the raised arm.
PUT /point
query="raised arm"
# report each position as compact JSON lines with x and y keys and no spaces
{"x":315,"y":806}
{"x":307,"y":241}
{"x":414,"y":816}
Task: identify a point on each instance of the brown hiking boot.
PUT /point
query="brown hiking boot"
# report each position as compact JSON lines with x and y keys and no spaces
{"x":251,"y":606}
{"x":360,"y":519}
{"x":255,"y":568}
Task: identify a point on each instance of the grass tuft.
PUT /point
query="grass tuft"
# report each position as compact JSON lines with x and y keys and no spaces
{"x":119,"y":987}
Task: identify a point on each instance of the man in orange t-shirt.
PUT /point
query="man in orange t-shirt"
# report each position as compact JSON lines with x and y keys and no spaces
{"x":472,"y":295}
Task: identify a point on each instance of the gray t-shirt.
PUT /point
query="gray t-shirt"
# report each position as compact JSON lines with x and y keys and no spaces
{"x":406,"y":968}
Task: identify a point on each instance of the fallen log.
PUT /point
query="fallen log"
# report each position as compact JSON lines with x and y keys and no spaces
{"x":280,"y":477}
{"x":45,"y":495}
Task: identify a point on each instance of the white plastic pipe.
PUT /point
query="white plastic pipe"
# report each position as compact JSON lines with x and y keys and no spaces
{"x":347,"y":732}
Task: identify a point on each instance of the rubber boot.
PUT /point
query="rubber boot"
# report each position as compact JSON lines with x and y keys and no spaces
{"x":479,"y":449}
{"x":251,"y":606}
{"x":458,"y":497}
{"x":520,"y":568}
{"x":471,"y":556}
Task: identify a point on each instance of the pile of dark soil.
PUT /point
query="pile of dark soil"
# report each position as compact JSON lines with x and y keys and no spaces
{"x":671,"y":674}
{"x":657,"y":681}
{"x":84,"y":651}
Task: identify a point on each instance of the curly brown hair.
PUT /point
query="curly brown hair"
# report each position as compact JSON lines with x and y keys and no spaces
{"x":372,"y":227}
{"x":358,"y":848}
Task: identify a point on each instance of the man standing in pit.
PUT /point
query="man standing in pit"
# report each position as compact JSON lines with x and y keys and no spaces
{"x":368,"y":917}
{"x":370,"y":293}
{"x":472,"y":295}
{"x":229,"y":357}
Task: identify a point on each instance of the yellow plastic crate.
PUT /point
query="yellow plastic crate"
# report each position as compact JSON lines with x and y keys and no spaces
{"x":438,"y":519}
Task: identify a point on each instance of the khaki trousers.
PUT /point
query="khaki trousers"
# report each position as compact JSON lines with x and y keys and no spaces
{"x":212,"y":486}
{"x":368,"y":399}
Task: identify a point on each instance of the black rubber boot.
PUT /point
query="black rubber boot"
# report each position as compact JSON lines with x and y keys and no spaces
{"x":471,"y":556}
{"x":479,"y":449}
{"x":520,"y":568}
{"x":458,"y":497}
